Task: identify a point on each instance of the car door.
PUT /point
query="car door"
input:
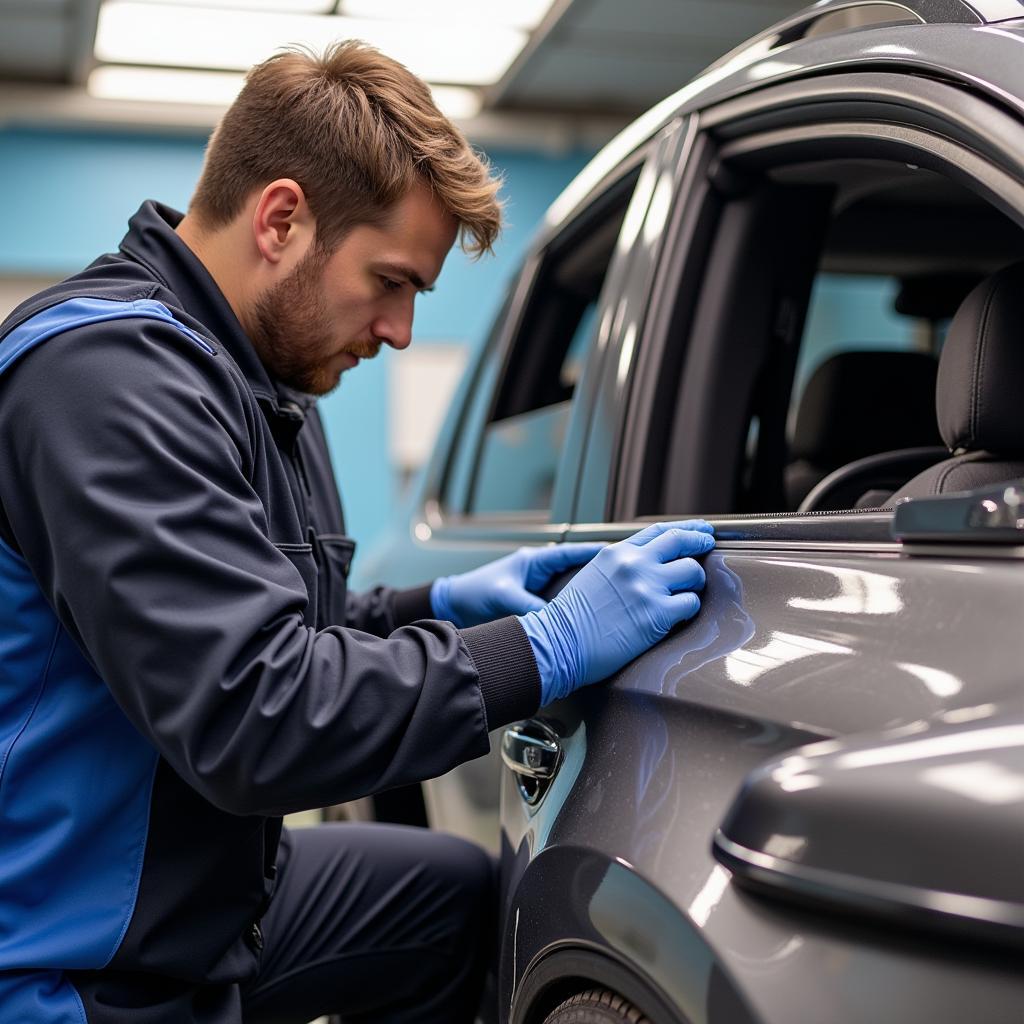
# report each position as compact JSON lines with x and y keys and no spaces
{"x":815,"y":625}
{"x":506,"y":468}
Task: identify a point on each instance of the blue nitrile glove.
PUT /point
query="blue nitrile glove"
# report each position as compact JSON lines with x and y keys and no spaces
{"x":618,"y":606}
{"x":507,"y":586}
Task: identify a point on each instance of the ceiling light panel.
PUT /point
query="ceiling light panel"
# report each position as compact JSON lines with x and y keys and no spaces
{"x":164,"y":85}
{"x":456,"y":101}
{"x":183,"y":35}
{"x":288,"y":6}
{"x":219,"y":88}
{"x":524,"y":14}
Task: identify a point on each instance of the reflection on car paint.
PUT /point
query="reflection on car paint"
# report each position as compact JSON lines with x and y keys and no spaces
{"x":860,"y":592}
{"x":637,"y":211}
{"x":658,"y":211}
{"x":981,"y":781}
{"x":709,"y":896}
{"x":650,"y":818}
{"x":746,"y":666}
{"x":996,"y":737}
{"x":971,"y":714}
{"x":937,"y":680}
{"x":634,"y":919}
{"x":626,"y":353}
{"x":792,"y":774}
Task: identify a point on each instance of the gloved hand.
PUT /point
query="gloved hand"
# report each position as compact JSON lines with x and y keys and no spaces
{"x":504,"y":587}
{"x":618,"y":606}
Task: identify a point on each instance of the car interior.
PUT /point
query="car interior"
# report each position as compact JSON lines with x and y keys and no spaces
{"x":945,"y":243}
{"x":873,"y":356}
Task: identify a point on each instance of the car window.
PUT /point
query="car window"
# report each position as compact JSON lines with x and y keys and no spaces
{"x":479,"y":387}
{"x":852,"y":311}
{"x":517,"y":456}
{"x":855,"y":342}
{"x":866,"y":366}
{"x":828,"y":291}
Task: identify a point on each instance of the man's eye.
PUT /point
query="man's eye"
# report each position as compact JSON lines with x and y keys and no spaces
{"x":390,"y":285}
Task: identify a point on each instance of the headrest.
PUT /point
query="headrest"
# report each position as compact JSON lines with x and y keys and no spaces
{"x":933,"y":296}
{"x":981,"y":372}
{"x":864,"y":402}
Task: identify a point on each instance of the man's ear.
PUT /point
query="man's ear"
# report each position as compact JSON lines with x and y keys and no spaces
{"x":283,"y":225}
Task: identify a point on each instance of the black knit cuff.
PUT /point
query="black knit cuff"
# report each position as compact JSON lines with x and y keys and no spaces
{"x":509,"y":680}
{"x":412,"y":605}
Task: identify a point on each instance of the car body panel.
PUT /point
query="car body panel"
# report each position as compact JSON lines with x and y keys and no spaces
{"x":860,"y":645}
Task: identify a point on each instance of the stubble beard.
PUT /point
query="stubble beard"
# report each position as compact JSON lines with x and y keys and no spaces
{"x":290,"y":329}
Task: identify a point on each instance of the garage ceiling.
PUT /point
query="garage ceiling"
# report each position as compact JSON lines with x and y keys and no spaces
{"x":47,"y":40}
{"x":625,"y":55}
{"x":596,"y":61}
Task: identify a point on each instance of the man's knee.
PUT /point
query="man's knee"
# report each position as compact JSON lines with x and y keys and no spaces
{"x":469,"y":875}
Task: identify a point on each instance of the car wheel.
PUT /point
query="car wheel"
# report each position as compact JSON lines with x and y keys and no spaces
{"x":595,"y":1006}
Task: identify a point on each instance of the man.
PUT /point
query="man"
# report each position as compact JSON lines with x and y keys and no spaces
{"x":180,"y":663}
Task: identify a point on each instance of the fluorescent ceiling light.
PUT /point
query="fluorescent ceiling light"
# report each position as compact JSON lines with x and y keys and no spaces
{"x":525,"y":14}
{"x":457,"y":102}
{"x":165,"y":85}
{"x":219,"y":88}
{"x":291,"y":6}
{"x":141,"y":32}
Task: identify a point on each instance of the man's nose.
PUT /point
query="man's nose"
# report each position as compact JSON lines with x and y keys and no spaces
{"x":395,"y":328}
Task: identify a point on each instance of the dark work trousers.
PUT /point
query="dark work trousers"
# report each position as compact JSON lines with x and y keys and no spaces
{"x":378,"y":923}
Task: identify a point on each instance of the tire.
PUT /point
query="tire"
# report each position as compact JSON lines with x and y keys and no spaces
{"x":596,"y":1006}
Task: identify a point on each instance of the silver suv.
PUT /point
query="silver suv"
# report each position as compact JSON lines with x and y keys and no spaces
{"x":790,"y":300}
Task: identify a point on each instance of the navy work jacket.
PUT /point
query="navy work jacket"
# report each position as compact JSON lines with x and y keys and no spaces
{"x":180,"y":663}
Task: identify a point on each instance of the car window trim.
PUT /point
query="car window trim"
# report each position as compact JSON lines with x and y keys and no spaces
{"x":827,"y":531}
{"x":671,"y":161}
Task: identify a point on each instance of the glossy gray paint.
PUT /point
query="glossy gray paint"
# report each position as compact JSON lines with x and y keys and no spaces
{"x":863,"y":824}
{"x":789,"y":649}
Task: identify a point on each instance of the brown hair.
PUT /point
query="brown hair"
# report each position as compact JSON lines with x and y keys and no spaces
{"x":356,"y":130}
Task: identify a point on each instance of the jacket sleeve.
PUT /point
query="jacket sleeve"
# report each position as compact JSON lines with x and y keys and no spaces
{"x":381,"y":610}
{"x":126,"y":487}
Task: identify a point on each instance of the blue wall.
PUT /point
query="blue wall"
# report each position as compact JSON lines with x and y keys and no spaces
{"x":69,"y":195}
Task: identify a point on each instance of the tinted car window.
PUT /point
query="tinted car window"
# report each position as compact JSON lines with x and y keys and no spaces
{"x":521,"y":443}
{"x":818,"y":334}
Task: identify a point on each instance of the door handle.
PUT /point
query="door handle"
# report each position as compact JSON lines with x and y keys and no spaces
{"x":529,"y":755}
{"x":532,"y":753}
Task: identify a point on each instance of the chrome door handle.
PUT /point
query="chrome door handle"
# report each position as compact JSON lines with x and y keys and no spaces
{"x":533,"y":756}
{"x":532,"y":753}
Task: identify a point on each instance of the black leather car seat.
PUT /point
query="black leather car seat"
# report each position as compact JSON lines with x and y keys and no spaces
{"x":858,"y":404}
{"x":980,"y":391}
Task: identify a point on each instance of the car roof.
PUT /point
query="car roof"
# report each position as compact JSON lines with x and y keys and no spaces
{"x":980,"y":44}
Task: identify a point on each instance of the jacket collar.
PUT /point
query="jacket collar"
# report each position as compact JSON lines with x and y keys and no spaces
{"x":151,"y":241}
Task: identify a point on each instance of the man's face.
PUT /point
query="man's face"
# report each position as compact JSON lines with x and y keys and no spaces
{"x":338,"y":307}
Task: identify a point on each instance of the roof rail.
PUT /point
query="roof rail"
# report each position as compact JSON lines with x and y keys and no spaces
{"x":942,"y":12}
{"x":819,"y":17}
{"x":929,"y":12}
